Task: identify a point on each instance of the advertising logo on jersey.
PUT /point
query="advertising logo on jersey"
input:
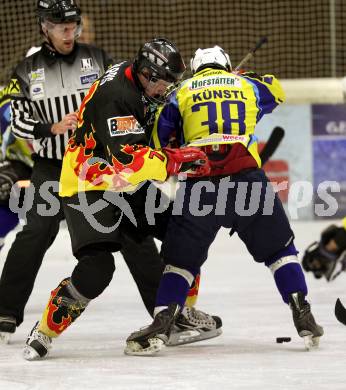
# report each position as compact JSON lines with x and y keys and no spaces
{"x":123,"y":125}
{"x":11,"y":89}
{"x":214,"y":81}
{"x":88,"y":79}
{"x":221,"y":138}
{"x":37,"y":75}
{"x":86,"y":64}
{"x":37,"y":91}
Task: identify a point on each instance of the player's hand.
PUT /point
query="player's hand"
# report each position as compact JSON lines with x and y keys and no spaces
{"x":68,"y":122}
{"x":191,"y":160}
{"x":328,"y":257}
{"x":238,"y":71}
{"x":8,"y":177}
{"x":333,"y":238}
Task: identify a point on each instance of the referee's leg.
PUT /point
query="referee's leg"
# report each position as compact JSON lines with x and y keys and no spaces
{"x":26,"y":254}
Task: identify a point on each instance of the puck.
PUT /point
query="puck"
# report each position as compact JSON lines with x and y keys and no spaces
{"x":281,"y":340}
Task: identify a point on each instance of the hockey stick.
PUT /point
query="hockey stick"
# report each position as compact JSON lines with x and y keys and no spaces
{"x":272,"y":144}
{"x":340,"y":312}
{"x":251,"y":53}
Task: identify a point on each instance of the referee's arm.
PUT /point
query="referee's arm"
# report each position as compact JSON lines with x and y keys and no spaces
{"x":22,"y":123}
{"x":23,"y":126}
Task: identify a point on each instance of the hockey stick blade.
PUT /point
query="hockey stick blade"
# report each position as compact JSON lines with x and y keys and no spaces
{"x":340,"y":312}
{"x":272,"y":144}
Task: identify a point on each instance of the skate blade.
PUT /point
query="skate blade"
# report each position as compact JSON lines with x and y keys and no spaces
{"x":311,"y":342}
{"x":31,"y":354}
{"x":5,"y":337}
{"x":135,"y":349}
{"x":192,"y":336}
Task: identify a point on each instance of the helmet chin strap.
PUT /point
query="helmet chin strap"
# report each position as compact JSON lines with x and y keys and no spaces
{"x":47,"y":37}
{"x":156,"y":99}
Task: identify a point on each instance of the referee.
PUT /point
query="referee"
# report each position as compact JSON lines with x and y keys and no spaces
{"x":50,"y":86}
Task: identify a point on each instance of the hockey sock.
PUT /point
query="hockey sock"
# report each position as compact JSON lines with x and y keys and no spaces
{"x":193,"y":292}
{"x":65,"y":305}
{"x":288,"y":274}
{"x":174,"y":286}
{"x":9,"y":221}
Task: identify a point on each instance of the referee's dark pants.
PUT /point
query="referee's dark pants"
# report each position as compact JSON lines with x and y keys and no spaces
{"x":26,"y":254}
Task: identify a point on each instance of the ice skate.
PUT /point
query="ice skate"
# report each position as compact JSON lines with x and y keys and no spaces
{"x":194,"y":325}
{"x":37,"y":345}
{"x":7,"y":328}
{"x":304,"y":321}
{"x":151,"y":339}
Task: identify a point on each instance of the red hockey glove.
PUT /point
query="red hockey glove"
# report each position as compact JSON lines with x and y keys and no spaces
{"x":188,"y":159}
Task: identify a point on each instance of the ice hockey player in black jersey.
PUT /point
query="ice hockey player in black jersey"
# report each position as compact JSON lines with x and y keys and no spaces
{"x":47,"y":89}
{"x":109,"y":152}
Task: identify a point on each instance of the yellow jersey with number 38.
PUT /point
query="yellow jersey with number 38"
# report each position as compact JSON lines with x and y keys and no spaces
{"x":217,"y":107}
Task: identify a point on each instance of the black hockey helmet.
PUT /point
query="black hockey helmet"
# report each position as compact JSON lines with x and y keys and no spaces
{"x":58,"y":11}
{"x":162,"y":58}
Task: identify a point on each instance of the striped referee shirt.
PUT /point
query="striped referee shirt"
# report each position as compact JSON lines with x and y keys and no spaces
{"x":47,"y":86}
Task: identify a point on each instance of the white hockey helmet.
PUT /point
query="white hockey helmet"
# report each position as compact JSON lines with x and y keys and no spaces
{"x":213,"y":57}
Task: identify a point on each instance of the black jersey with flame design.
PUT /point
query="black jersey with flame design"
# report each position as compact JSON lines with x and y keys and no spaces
{"x":109,"y":149}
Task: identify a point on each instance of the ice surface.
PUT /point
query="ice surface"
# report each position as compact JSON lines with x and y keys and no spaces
{"x":90,"y":353}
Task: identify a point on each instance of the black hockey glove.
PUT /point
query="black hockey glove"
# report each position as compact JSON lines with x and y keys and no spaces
{"x":322,"y":262}
{"x":8,"y":177}
{"x":338,"y":234}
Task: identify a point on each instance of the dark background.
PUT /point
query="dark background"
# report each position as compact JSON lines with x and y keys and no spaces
{"x":306,"y":37}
